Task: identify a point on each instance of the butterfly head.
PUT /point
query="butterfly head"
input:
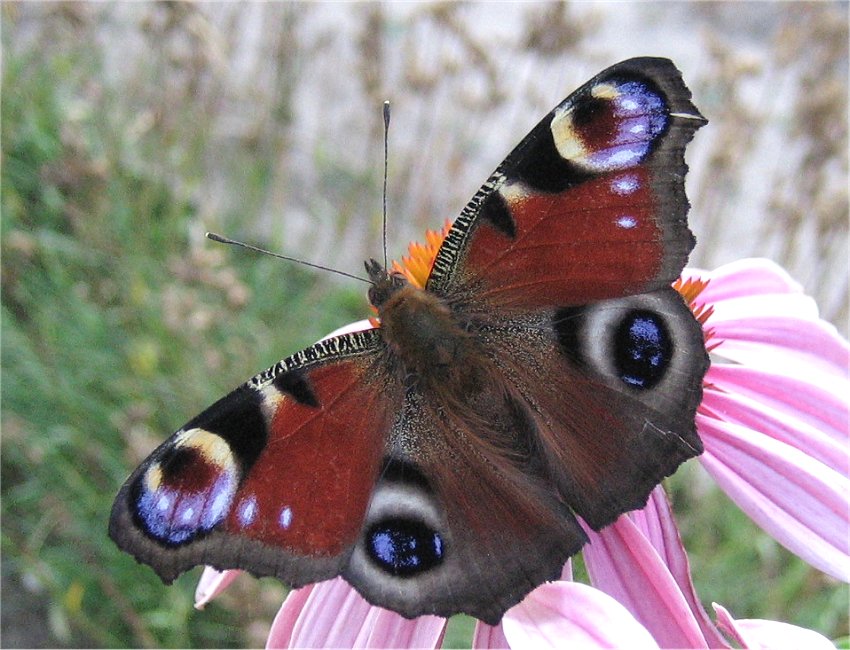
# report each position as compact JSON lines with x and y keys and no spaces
{"x":384,"y":283}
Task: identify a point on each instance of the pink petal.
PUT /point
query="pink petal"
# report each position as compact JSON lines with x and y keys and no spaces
{"x":770,"y":635}
{"x":782,"y":343}
{"x":211,"y":584}
{"x":386,"y":629}
{"x":569,"y":614}
{"x":283,"y":625}
{"x":799,"y":501}
{"x":622,"y":563}
{"x":356,"y":326}
{"x":333,"y":614}
{"x":744,"y":277}
{"x":820,"y":404}
{"x":657,"y":524}
{"x":763,"y":319}
{"x":748,"y":306}
{"x":489,"y":636}
{"x":781,"y":424}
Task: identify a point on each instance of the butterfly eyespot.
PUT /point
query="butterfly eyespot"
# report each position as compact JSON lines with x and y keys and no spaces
{"x":188,"y":490}
{"x":403,"y":547}
{"x":613,"y":128}
{"x":642,"y":349}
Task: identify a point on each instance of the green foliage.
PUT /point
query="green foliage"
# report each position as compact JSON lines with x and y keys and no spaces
{"x":116,"y":329}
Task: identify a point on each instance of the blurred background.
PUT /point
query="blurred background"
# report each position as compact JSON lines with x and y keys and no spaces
{"x":129,"y":129}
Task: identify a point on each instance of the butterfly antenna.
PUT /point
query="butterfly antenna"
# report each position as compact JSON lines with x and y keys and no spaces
{"x":233,"y":242}
{"x":386,"y":158}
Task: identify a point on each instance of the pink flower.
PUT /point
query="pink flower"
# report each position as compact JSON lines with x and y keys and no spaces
{"x":773,"y":420}
{"x":774,"y":417}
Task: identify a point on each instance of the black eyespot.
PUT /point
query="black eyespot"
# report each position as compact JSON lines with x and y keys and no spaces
{"x":589,"y":110}
{"x":403,"y":547}
{"x":176,"y":461}
{"x":642,"y":349}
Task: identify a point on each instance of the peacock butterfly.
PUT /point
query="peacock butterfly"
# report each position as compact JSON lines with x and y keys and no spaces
{"x":546,"y":371}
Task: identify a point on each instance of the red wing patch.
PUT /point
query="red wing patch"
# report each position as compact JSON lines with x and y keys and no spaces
{"x":309,"y":488}
{"x":597,"y":240}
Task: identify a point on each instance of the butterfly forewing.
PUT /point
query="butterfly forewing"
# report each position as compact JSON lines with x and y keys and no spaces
{"x":590,"y":205}
{"x":275,"y":477}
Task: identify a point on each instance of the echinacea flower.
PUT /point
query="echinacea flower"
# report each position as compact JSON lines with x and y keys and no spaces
{"x":774,"y":417}
{"x":773,"y":421}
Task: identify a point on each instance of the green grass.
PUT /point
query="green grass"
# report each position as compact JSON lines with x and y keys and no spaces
{"x":115,"y":331}
{"x":118,"y":325}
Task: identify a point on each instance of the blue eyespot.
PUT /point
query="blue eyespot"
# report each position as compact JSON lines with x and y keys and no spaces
{"x":618,"y":125}
{"x":642,"y":349}
{"x":188,"y":490}
{"x":404,"y":547}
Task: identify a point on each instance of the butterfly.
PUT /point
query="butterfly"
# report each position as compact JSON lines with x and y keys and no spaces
{"x":546,"y":372}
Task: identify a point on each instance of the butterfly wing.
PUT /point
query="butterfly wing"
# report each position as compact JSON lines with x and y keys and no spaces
{"x":460,"y":520}
{"x":590,"y":205}
{"x":275,"y":477}
{"x":612,"y":389}
{"x":563,"y":263}
{"x":325,"y":465}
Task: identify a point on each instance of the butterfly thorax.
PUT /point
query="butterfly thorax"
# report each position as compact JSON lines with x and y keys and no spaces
{"x":422,"y":332}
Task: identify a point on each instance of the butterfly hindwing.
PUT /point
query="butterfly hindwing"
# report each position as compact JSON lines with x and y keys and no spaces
{"x":577,"y":411}
{"x":274,"y":478}
{"x":590,"y":205}
{"x":461,"y":519}
{"x":612,"y":389}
